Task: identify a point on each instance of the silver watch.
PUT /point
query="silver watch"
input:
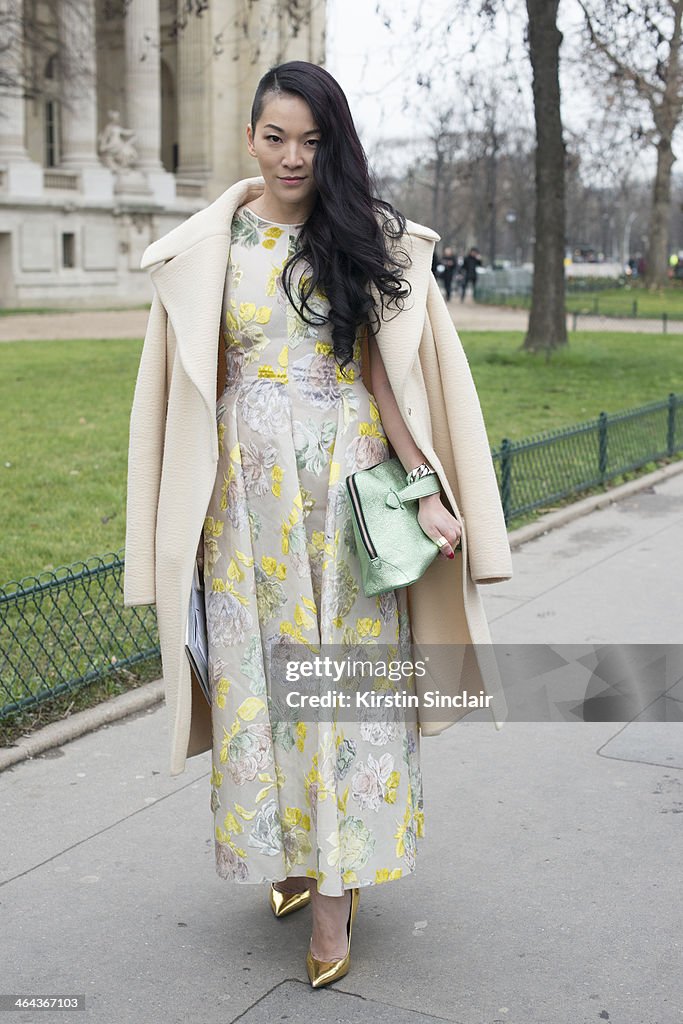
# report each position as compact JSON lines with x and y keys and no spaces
{"x":424,"y":469}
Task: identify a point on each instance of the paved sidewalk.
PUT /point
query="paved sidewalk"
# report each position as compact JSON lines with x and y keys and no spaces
{"x":547,"y":888}
{"x":131,"y":323}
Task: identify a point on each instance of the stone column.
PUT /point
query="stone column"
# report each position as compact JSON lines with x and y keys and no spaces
{"x":78,"y":109}
{"x":24,"y":177}
{"x":143,"y":93}
{"x":194,"y":94}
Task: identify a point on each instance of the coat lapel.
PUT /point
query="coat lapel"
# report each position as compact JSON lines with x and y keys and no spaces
{"x":191,"y":282}
{"x":190,"y":287}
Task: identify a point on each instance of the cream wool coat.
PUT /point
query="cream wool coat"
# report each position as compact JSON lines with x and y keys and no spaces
{"x":173,"y":458}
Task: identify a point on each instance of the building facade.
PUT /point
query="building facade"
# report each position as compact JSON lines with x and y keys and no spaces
{"x":119,"y":119}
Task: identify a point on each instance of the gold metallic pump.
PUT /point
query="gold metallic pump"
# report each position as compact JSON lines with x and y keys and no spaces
{"x":283,"y":903}
{"x":322,"y":972}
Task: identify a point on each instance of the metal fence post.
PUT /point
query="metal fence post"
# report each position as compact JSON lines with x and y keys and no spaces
{"x":602,"y":445}
{"x":671,"y":424}
{"x":505,"y":476}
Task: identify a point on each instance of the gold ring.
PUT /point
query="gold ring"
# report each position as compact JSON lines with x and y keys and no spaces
{"x":440,"y":541}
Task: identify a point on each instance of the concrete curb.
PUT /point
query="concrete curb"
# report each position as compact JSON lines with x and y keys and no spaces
{"x":58,"y":733}
{"x":552,"y":520}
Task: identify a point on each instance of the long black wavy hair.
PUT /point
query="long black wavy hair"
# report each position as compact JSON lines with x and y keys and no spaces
{"x":350,"y":238}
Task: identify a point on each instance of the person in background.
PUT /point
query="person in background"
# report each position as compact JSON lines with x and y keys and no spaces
{"x":469,"y":272}
{"x":450,"y":264}
{"x":436,"y":263}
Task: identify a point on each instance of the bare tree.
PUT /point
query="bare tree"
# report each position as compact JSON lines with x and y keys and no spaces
{"x":547,"y":324}
{"x":547,"y":320}
{"x":637,"y":49}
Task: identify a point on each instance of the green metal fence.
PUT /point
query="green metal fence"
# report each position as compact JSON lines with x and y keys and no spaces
{"x":67,"y":628}
{"x":558,"y":463}
{"x":64,"y":629}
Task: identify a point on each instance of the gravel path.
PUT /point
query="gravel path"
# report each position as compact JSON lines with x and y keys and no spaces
{"x":130,"y":323}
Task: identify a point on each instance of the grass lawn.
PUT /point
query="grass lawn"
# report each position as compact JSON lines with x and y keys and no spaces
{"x":65,"y":407}
{"x":64,"y":413}
{"x":615,"y":302}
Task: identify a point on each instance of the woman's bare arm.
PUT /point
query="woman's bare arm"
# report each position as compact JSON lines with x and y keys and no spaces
{"x":433,"y":516}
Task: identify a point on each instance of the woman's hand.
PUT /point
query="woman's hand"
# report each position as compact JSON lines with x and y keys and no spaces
{"x":437,"y":521}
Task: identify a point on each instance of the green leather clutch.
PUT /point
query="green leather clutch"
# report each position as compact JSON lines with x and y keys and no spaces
{"x":393,"y":549}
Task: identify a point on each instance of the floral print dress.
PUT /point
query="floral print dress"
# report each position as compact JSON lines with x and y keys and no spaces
{"x":340,"y":802}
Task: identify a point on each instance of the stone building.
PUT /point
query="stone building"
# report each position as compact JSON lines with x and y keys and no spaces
{"x":118,"y":119}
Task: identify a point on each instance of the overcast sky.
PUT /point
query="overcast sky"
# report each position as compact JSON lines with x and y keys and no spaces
{"x":377,"y":66}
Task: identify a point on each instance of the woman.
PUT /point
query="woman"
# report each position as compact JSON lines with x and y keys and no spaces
{"x":312,"y":262}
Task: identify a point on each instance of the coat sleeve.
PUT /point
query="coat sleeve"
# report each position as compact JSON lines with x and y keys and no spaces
{"x":487,"y":540}
{"x":145,"y":457}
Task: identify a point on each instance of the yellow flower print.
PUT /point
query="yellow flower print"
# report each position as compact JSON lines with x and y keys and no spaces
{"x":249,"y":311}
{"x":269,"y":243}
{"x":301,"y":730}
{"x":227,"y":480}
{"x":231,"y":321}
{"x":370,"y":430}
{"x":231,"y":824}
{"x":392,"y":787}
{"x":222,"y":690}
{"x":296,"y":633}
{"x":250,"y":708}
{"x":368,"y":627}
{"x":234,"y":571}
{"x":295,"y":816}
{"x":278,"y":781}
{"x":342,"y":801}
{"x":403,"y":827}
{"x":384,"y":875}
{"x":220,"y":586}
{"x":271,"y":565}
{"x":347,"y":376}
{"x":224,"y":837}
{"x":273,"y":232}
{"x":319,"y":544}
{"x":271,"y":284}
{"x":302,"y":618}
{"x":268,"y":565}
{"x":277,"y":476}
{"x":247,"y":815}
{"x":216,"y":777}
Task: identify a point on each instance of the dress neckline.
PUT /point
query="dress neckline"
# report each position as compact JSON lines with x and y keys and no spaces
{"x":275,"y":223}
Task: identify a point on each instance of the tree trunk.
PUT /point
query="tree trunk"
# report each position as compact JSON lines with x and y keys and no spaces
{"x":666,"y":115}
{"x":658,"y":238}
{"x":547,"y":319}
